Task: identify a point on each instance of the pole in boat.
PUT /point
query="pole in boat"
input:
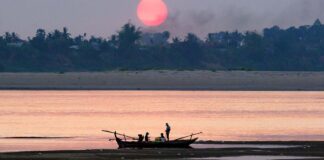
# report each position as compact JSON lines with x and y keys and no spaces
{"x":188,"y":136}
{"x":125,"y":136}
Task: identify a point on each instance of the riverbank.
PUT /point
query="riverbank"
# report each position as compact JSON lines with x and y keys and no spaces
{"x":165,"y":80}
{"x":304,"y":149}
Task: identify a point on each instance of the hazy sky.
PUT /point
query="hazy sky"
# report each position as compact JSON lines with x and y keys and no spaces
{"x":105,"y":17}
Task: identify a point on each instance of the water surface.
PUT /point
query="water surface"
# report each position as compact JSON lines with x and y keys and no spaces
{"x":81,"y":115}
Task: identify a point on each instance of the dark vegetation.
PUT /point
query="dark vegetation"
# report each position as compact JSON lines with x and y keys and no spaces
{"x":276,"y":49}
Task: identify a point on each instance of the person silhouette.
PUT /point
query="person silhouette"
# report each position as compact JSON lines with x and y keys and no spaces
{"x":162,"y":138}
{"x":167,"y":131}
{"x":147,"y":138}
{"x":140,"y":138}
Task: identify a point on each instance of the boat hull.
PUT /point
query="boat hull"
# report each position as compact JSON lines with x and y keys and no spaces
{"x":169,"y":144}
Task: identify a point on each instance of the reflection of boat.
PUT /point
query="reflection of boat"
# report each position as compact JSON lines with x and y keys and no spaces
{"x":168,"y":144}
{"x":177,"y":143}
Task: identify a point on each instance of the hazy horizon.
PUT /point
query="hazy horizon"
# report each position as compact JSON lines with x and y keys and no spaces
{"x":103,"y":18}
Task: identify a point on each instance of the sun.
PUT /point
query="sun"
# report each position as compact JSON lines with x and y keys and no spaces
{"x":152,"y":12}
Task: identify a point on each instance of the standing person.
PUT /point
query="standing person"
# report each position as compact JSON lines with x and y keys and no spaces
{"x":147,"y":138}
{"x":167,"y":131}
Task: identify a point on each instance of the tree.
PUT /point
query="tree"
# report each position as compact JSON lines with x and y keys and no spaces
{"x":127,"y":38}
{"x":11,"y":37}
{"x":317,"y":23}
{"x":166,"y":34}
{"x":59,"y":42}
{"x":187,"y":53}
{"x":39,"y":41}
{"x":295,"y":48}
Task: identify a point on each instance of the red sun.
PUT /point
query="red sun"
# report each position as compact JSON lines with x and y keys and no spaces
{"x":152,"y":12}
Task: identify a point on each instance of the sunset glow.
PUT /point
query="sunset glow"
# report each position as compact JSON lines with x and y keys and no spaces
{"x":152,"y":12}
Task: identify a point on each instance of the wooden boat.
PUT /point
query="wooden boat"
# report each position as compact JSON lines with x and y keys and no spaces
{"x":177,"y":143}
{"x":168,"y":144}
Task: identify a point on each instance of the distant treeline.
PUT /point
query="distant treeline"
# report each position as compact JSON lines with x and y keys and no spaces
{"x":292,"y":49}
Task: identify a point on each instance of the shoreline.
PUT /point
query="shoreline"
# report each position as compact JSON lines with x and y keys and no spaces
{"x":304,"y":149}
{"x":313,"y":143}
{"x":166,"y":80}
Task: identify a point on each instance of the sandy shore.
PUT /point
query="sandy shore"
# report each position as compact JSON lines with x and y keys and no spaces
{"x":304,"y":149}
{"x":166,"y":80}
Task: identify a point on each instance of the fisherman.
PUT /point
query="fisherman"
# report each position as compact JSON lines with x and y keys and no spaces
{"x":162,"y":138}
{"x":140,"y":138}
{"x":167,"y":131}
{"x":147,"y":138}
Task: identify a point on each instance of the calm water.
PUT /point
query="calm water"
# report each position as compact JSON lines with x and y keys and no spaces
{"x":220,"y":115}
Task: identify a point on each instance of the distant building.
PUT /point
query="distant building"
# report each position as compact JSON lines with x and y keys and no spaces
{"x":75,"y":47}
{"x":16,"y":44}
{"x":94,"y":45}
{"x":153,"y":39}
{"x":217,"y":37}
{"x":223,"y":39}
